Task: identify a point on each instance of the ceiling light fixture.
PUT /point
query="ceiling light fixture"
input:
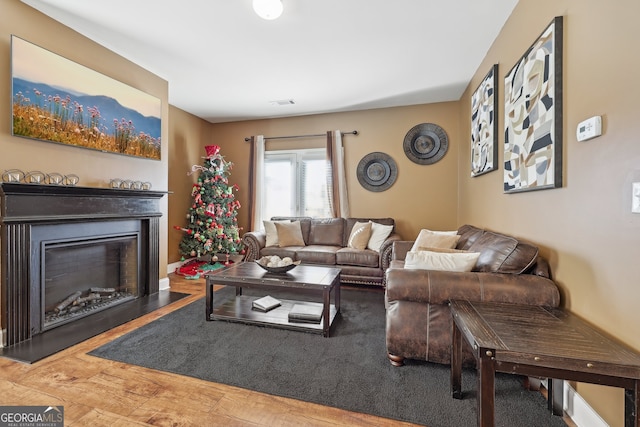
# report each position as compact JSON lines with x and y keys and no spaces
{"x":283,"y":102}
{"x":268,"y":9}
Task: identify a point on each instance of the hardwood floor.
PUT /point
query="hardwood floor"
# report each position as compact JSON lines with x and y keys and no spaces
{"x":98,"y":392}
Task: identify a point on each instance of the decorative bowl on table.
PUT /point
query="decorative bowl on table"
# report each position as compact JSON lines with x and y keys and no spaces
{"x":273,"y":264}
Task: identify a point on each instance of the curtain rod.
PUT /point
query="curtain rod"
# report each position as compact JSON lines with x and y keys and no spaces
{"x":353,"y":132}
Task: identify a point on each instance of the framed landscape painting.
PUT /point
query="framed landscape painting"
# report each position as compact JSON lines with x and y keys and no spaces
{"x":533,"y":115}
{"x":57,"y":100}
{"x":484,"y":124}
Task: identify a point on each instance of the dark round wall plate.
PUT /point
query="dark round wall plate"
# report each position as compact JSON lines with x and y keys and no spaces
{"x":377,"y":171}
{"x":425,"y":143}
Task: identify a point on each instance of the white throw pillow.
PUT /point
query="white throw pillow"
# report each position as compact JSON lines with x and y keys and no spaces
{"x":360,"y":234}
{"x":379,"y":234}
{"x":436,"y":239}
{"x":443,"y":261}
{"x":271,"y":232}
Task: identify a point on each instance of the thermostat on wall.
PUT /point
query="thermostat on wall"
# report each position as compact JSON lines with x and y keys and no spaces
{"x":590,"y":128}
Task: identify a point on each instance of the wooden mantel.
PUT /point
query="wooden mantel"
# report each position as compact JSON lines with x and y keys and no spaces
{"x":27,"y":203}
{"x":26,"y":206}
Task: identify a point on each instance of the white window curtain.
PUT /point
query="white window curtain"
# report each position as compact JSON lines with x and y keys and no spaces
{"x":256,"y":181}
{"x":337,"y":179}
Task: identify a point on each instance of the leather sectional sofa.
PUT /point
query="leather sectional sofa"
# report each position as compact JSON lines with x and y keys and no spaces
{"x":419,"y":324}
{"x":326,"y":243}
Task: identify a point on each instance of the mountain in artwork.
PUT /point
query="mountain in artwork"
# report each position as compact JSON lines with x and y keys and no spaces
{"x":110,"y":109}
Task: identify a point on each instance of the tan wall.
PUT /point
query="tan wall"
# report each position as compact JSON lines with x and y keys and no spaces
{"x":94,"y":168}
{"x":422,"y":196}
{"x":586,"y":227}
{"x":188,"y":135}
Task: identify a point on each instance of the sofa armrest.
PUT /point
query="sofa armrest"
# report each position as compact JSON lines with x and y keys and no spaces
{"x":254,"y":241}
{"x":400,"y":249}
{"x":386,"y":250}
{"x":439,"y":287}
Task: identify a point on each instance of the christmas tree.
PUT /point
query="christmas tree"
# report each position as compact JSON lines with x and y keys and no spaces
{"x":213,"y":226}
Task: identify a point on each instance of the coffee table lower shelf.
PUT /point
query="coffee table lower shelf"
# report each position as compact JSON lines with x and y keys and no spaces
{"x":239,"y":309}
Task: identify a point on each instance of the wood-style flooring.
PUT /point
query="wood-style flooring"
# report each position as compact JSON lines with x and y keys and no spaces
{"x":97,"y":392}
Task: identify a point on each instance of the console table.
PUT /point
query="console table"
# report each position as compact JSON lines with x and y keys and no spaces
{"x":539,"y":342}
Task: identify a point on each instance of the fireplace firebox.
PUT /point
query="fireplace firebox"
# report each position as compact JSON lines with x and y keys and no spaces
{"x":83,"y":274}
{"x":70,"y":253}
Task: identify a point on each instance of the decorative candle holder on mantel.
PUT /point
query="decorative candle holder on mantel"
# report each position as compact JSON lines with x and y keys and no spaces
{"x":128,"y":184}
{"x":39,"y":178}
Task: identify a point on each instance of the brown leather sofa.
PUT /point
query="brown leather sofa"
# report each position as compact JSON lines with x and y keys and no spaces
{"x":326,"y":243}
{"x":419,"y":323}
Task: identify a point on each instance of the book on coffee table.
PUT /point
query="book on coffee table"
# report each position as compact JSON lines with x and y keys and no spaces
{"x":306,"y":313}
{"x":266,"y":303}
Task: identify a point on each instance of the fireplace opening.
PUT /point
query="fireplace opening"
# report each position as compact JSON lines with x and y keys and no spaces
{"x":84,"y":277}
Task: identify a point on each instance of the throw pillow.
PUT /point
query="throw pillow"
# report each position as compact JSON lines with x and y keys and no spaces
{"x":436,"y":239}
{"x":360,"y":234}
{"x":379,"y":234}
{"x":443,"y":261}
{"x":271,"y":232}
{"x":500,"y":253}
{"x":289,"y":234}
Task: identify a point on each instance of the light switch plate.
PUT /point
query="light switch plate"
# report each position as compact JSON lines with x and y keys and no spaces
{"x":635,"y":197}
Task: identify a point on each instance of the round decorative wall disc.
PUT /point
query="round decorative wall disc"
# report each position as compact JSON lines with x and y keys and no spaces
{"x":377,"y":171}
{"x":425,"y":143}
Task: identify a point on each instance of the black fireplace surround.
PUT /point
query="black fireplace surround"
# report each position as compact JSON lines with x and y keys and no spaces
{"x":38,"y":219}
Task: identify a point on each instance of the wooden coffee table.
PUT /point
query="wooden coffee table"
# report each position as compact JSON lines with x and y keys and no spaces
{"x":539,"y":342}
{"x":304,"y":279}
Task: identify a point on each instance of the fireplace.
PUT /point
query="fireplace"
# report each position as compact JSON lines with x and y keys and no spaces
{"x":83,"y":271}
{"x":71,"y":254}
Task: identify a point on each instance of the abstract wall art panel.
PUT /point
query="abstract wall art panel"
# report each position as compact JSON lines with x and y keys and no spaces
{"x":533,"y":116}
{"x":57,"y":100}
{"x":484,"y":125}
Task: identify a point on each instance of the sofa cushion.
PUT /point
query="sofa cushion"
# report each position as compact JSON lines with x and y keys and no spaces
{"x":503,"y":254}
{"x":317,"y":254}
{"x":289,"y":234}
{"x":305,"y":223}
{"x":379,"y":234}
{"x":351,"y":221}
{"x":281,"y":252}
{"x":468,"y":235}
{"x":357,"y":257}
{"x":326,"y":231}
{"x":271,"y":232}
{"x":359,"y":236}
{"x":443,"y":261}
{"x":436,"y":239}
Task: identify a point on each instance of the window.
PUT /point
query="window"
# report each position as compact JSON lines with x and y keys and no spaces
{"x":295,"y":184}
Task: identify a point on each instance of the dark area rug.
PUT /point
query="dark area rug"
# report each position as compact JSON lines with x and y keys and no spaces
{"x":349,"y":370}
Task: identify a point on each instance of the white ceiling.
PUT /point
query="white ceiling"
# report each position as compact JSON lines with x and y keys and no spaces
{"x":224,"y":63}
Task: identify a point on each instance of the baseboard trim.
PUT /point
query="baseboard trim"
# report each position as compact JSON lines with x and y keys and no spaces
{"x":164,"y":284}
{"x":581,"y":413}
